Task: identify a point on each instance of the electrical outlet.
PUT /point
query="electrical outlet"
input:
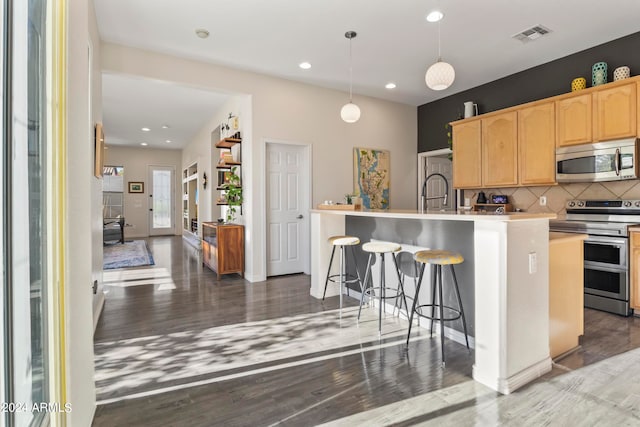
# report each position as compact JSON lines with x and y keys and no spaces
{"x":533,"y":262}
{"x":543,"y":200}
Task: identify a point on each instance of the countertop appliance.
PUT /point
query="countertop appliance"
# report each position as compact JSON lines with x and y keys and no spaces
{"x":606,"y":250}
{"x":602,"y":161}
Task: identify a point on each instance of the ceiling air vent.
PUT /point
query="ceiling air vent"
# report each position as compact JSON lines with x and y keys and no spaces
{"x":531,"y":34}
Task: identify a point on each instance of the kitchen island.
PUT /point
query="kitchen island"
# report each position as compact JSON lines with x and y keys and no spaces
{"x":504,"y":280}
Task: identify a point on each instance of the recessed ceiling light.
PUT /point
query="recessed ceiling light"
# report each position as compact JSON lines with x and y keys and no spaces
{"x":168,"y":141}
{"x":202,"y":33}
{"x":145,"y":129}
{"x":390,"y":85}
{"x":435,"y":16}
{"x":165,"y":126}
{"x":144,"y":144}
{"x":304,"y":65}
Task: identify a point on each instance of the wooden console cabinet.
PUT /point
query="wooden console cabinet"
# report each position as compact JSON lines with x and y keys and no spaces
{"x":223,"y":247}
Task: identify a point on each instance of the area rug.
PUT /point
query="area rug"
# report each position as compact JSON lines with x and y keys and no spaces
{"x":129,"y":254}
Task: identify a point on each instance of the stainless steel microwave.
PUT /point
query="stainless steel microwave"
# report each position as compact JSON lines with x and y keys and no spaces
{"x":601,"y":161}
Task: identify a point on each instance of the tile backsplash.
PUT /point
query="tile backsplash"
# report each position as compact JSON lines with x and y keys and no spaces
{"x":527,"y":198}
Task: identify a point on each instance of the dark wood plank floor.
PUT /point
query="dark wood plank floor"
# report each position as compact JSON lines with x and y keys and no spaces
{"x":309,"y":393}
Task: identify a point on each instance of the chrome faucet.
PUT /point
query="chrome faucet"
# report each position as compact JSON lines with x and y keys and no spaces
{"x":424,"y":197}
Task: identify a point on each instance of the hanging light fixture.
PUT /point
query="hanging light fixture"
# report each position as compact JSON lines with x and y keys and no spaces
{"x":441,"y":74}
{"x":350,"y":112}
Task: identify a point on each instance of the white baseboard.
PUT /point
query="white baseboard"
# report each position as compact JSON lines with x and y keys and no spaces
{"x":509,"y":385}
{"x":98,"y":310}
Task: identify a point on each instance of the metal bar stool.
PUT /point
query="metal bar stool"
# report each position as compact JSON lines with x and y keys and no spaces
{"x":381,"y":248}
{"x":342,"y":277}
{"x":438,"y":258}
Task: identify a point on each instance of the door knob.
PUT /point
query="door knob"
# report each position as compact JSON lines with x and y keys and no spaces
{"x":299,"y":217}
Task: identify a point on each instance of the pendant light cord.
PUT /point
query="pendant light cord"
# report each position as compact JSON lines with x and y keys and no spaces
{"x":439,"y":53}
{"x":350,"y":72}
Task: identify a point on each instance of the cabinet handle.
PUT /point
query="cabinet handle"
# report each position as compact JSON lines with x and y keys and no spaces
{"x":299,"y":217}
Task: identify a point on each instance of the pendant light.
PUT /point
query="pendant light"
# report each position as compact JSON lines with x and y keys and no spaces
{"x":441,"y":74}
{"x":350,"y":112}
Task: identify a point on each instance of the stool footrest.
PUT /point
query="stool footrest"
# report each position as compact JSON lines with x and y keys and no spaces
{"x":395,"y":292}
{"x":456,"y":316}
{"x":349,"y":278}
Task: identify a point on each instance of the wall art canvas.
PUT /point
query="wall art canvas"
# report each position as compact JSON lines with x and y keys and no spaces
{"x":371,"y":177}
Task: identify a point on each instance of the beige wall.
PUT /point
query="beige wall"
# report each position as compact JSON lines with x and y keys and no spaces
{"x":282,"y":110}
{"x":136,"y":162}
{"x":96,"y":183}
{"x":527,"y":198}
{"x":81,"y":225}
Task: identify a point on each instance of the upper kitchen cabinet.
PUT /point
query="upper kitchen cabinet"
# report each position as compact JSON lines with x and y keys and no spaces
{"x":615,"y":112}
{"x":500,"y":150}
{"x":537,"y":144}
{"x":574,"y":120}
{"x":467,"y":164}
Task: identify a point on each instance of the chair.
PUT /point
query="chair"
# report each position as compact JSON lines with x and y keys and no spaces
{"x":438,"y":258}
{"x":382,"y":291}
{"x":342,"y":278}
{"x":113,"y":230}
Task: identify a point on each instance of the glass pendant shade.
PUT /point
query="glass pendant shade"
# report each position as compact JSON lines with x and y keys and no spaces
{"x":350,"y":113}
{"x":440,"y":76}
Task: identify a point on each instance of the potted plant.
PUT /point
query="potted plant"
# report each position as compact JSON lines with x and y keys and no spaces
{"x":233,"y":194}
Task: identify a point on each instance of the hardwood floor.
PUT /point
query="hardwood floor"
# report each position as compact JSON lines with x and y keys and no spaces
{"x":227,"y":352}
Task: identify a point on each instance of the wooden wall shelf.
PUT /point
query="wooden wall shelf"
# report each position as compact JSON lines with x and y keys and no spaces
{"x":228,"y":142}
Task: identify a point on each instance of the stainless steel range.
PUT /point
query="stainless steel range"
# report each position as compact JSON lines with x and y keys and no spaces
{"x":606,"y":251}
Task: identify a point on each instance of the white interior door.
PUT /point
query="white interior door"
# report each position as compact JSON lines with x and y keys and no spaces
{"x":436,"y":186}
{"x":287,"y":209}
{"x":161,"y":200}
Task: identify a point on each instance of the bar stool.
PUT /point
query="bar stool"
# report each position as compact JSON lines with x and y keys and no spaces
{"x":381,"y":248}
{"x":342,"y":277}
{"x":438,"y":258}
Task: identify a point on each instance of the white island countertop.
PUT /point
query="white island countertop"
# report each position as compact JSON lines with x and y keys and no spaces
{"x":440,"y":215}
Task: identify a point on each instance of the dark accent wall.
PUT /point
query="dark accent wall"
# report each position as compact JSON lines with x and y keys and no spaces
{"x":543,"y":81}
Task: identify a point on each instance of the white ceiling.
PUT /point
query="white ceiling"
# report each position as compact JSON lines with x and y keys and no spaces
{"x":394,"y":42}
{"x":129,"y":104}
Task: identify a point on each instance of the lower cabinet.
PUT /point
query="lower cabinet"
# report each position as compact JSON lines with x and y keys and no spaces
{"x":634,"y":270}
{"x":566,"y":291}
{"x":223,"y":247}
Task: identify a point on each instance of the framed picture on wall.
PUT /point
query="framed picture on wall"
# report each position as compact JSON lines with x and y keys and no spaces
{"x":136,"y":187}
{"x":99,"y":151}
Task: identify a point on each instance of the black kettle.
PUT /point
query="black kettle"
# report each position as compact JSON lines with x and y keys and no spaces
{"x":482,"y":199}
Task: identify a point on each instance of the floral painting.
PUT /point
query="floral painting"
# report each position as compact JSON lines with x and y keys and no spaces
{"x":371,"y":177}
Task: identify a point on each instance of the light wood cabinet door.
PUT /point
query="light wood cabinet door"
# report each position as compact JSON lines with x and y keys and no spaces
{"x":467,"y":158}
{"x":634,"y":271}
{"x":566,"y":295}
{"x":537,"y":144}
{"x":574,"y":124}
{"x":616,"y":113}
{"x":500,"y":150}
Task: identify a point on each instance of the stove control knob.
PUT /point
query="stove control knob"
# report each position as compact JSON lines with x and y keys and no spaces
{"x":572,"y":204}
{"x":638,"y":204}
{"x":581,"y":204}
{"x":627,"y":204}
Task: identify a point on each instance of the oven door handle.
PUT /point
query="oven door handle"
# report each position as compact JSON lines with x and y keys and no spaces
{"x":617,"y":162}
